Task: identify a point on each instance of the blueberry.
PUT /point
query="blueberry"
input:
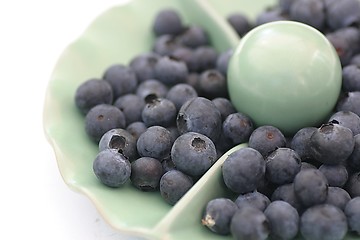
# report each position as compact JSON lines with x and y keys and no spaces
{"x":285,"y":5}
{"x":282,"y":165}
{"x":336,"y":175}
{"x":254,"y":199}
{"x":350,"y":102}
{"x":311,"y":187}
{"x":301,"y":142}
{"x":120,"y":140}
{"x":283,"y":219}
{"x":204,"y":58}
{"x":91,"y":93}
{"x":180,"y":93}
{"x":144,"y":65}
{"x":121,"y":78}
{"x":136,"y":129}
{"x":167,"y":21}
{"x":239,"y":22}
{"x":193,"y":153}
{"x":159,"y":111}
{"x":168,"y":165}
{"x":355,"y":60}
{"x":249,"y":223}
{"x":173,"y":186}
{"x":347,"y":119}
{"x":155,"y":142}
{"x":222,"y":61}
{"x":332,"y":143}
{"x":270,"y":15}
{"x":174,"y":133}
{"x":338,"y":197}
{"x":101,"y":119}
{"x":165,"y":45}
{"x":354,"y":159}
{"x":151,"y":89}
{"x":353,"y":185}
{"x":223,"y":144}
{"x":194,"y":36}
{"x":193,"y":80}
{"x":238,"y":127}
{"x":311,"y":12}
{"x":286,"y":193}
{"x":343,"y":14}
{"x":212,"y":84}
{"x":112,"y":168}
{"x":306,"y":165}
{"x":131,"y":105}
{"x":200,"y":115}
{"x":323,"y":221}
{"x":218,"y":214}
{"x":171,"y":71}
{"x":224,"y":106}
{"x":266,"y":139}
{"x":243,"y":170}
{"x":183,"y":54}
{"x":352,"y":212}
{"x":146,"y":173}
{"x":351,"y":78}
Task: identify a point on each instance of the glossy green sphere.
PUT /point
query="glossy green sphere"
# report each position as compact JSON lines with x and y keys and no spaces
{"x":285,"y":74}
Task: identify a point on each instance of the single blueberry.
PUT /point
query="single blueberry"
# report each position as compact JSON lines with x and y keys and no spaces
{"x":165,"y":45}
{"x":238,"y":127}
{"x":301,"y":142}
{"x":136,"y":129}
{"x":194,"y":36}
{"x":224,"y":106}
{"x":311,"y":12}
{"x":254,"y":199}
{"x":336,"y":175}
{"x":91,"y":93}
{"x":351,"y":78}
{"x":349,"y":102}
{"x":160,"y":112}
{"x":353,"y":185}
{"x":171,"y":71}
{"x":347,"y":119}
{"x":151,"y":89}
{"x":183,"y":54}
{"x":212,"y":84}
{"x":306,"y":165}
{"x":218,"y":214}
{"x":144,"y":65}
{"x":180,"y":93}
{"x":167,"y":21}
{"x":354,"y":159}
{"x":285,"y":5}
{"x":355,"y":60}
{"x":239,"y":22}
{"x":146,"y":173}
{"x":131,"y":105}
{"x":352,"y":212}
{"x":286,"y":193}
{"x":338,"y":197}
{"x":112,"y":168}
{"x":204,"y":58}
{"x":222,"y":61}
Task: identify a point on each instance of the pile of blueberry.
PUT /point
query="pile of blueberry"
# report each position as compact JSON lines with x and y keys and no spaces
{"x":165,"y":118}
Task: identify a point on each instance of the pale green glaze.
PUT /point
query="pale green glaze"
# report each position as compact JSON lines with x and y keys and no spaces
{"x":285,"y":74}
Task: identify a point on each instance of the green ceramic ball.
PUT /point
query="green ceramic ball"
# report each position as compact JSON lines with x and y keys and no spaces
{"x":285,"y":74}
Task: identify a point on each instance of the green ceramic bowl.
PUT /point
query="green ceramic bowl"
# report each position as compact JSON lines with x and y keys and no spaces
{"x":116,"y":36}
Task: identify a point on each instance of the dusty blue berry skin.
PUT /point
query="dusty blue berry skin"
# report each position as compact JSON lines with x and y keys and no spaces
{"x":212,"y":84}
{"x":217,"y":215}
{"x":338,"y":197}
{"x":204,"y":58}
{"x":144,"y":65}
{"x":283,"y":219}
{"x":285,"y":5}
{"x":160,"y":112}
{"x":266,"y":139}
{"x":311,"y":12}
{"x":355,"y":60}
{"x":306,"y":165}
{"x":151,"y":89}
{"x":224,"y":106}
{"x":173,"y":186}
{"x":112,"y":168}
{"x":347,"y":119}
{"x":352,"y":212}
{"x":301,"y":142}
{"x":343,"y":14}
{"x":101,"y":119}
{"x":131,"y":105}
{"x":167,"y":21}
{"x":354,"y":159}
{"x":286,"y":193}
{"x":194,"y":36}
{"x":323,"y":221}
{"x":254,"y":199}
{"x":155,"y":142}
{"x":121,"y":78}
{"x":146,"y":173}
{"x":136,"y":129}
{"x":282,"y":165}
{"x":337,"y":175}
{"x":270,"y":15}
{"x":349,"y":102}
{"x":249,"y":223}
{"x":239,"y":22}
{"x":120,"y":140}
{"x":168,"y":165}
{"x":193,"y":153}
{"x":91,"y":93}
{"x":200,"y":115}
{"x":332,"y":143}
{"x":222,"y":61}
{"x":171,"y":71}
{"x":180,"y":93}
{"x":165,"y":45}
{"x":243,"y":170}
{"x":353,"y":185}
{"x":351,"y":78}
{"x":237,"y":127}
{"x":183,"y":54}
{"x":311,"y":187}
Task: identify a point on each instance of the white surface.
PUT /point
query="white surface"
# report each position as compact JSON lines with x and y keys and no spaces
{"x":35,"y":203}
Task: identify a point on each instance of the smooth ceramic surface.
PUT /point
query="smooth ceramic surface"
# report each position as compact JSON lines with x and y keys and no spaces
{"x":285,"y":74}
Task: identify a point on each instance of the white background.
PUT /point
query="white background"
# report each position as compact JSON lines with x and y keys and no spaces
{"x":35,"y":203}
